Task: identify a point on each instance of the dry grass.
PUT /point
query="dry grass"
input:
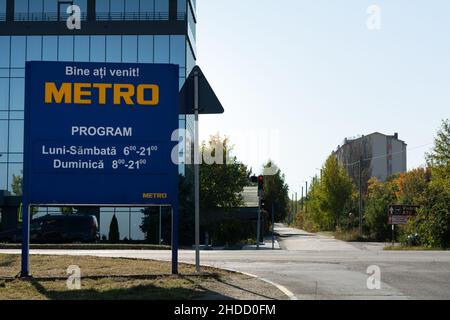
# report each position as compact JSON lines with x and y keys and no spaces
{"x":117,"y":278}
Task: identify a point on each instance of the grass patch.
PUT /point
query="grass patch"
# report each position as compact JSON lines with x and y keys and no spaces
{"x":120,"y":278}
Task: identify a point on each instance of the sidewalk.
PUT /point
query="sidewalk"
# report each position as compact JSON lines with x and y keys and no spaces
{"x":265,"y":245}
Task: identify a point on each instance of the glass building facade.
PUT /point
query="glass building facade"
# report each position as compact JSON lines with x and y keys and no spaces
{"x":134,"y":31}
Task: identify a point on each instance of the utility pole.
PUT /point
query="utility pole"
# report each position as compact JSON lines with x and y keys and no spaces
{"x":302,"y":199}
{"x":293,"y":205}
{"x":296,"y":208}
{"x":360,"y":195}
{"x":306,"y":196}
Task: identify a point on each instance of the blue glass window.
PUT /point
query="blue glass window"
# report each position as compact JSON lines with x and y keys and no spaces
{"x":117,"y":9}
{"x":15,"y":136}
{"x":3,"y":139}
{"x":162,"y":52}
{"x":102,"y":9}
{"x":50,"y":10}
{"x":4,"y":93}
{"x":177,"y":50}
{"x":147,"y":9}
{"x":181,"y":8}
{"x":34,"y":46}
{"x":16,"y":93}
{"x":3,"y":177}
{"x":4,"y":52}
{"x":162,"y":6}
{"x":97,"y":48}
{"x":131,"y":9}
{"x":50,"y":48}
{"x":65,"y":48}
{"x":113,"y":48}
{"x":81,"y":49}
{"x":2,"y":10}
{"x":145,"y":49}
{"x":18,"y":48}
{"x":21,"y":10}
{"x":35,"y":10}
{"x":129,"y":49}
{"x":14,"y":169}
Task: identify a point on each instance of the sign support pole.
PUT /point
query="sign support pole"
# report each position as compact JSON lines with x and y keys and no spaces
{"x":273,"y":226}
{"x":174,"y":210}
{"x":258,"y":224}
{"x":159,"y":234}
{"x":196,"y":176}
{"x":25,"y":270}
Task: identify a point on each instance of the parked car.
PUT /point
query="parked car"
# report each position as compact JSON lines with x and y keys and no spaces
{"x":58,"y":229}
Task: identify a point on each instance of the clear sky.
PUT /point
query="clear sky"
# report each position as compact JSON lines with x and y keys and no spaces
{"x":312,"y":73}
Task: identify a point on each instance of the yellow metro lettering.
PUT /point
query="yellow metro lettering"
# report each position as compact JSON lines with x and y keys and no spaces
{"x":141,"y":94}
{"x":126,"y":95}
{"x":78,"y":93}
{"x":52,"y":93}
{"x":102,"y":91}
{"x":83,"y":93}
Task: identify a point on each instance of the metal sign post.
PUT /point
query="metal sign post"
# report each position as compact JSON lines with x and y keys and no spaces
{"x":197,"y":175}
{"x":273,"y":226}
{"x":25,"y":265}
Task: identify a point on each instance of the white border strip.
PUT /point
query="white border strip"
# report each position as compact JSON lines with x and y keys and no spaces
{"x":283,"y":289}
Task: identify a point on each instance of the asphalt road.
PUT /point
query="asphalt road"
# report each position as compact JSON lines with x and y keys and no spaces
{"x":319,"y":267}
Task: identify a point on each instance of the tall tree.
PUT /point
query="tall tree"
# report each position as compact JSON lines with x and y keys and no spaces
{"x":336,"y":189}
{"x":114,"y":235}
{"x":439,"y":158}
{"x":276,"y":191}
{"x":222,"y":176}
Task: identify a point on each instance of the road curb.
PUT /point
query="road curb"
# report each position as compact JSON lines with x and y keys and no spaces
{"x":283,"y":289}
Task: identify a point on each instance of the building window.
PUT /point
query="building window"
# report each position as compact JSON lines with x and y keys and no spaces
{"x":2,"y":10}
{"x":46,"y":10}
{"x":132,"y":10}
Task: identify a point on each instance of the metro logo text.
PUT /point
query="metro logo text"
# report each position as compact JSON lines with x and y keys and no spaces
{"x":119,"y":93}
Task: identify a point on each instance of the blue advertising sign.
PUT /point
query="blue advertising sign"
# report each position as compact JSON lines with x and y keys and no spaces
{"x":100,"y":133}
